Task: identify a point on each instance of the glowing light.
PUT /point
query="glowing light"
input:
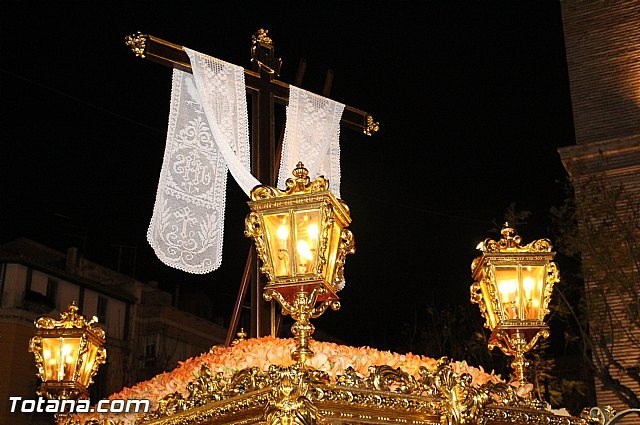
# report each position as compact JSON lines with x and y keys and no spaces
{"x":66,"y":349}
{"x":528,"y":284}
{"x":507,"y":288}
{"x":312,"y":231}
{"x":304,"y":251}
{"x":283,"y":232}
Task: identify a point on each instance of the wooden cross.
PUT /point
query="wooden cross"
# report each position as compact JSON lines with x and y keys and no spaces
{"x":265,"y":91}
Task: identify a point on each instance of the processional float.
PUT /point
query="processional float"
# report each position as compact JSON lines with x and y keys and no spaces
{"x":301,"y":236}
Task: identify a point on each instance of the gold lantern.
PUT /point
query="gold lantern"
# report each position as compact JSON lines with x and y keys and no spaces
{"x":68,"y":353}
{"x":301,"y":237}
{"x":513,"y":286}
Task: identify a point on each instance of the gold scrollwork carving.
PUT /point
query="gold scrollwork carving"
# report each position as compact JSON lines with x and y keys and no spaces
{"x":371,"y":126}
{"x":509,"y":415}
{"x":300,"y":184}
{"x":261,"y":36}
{"x":207,"y":387}
{"x":138,"y":43}
{"x":386,"y":378}
{"x":254,"y":229}
{"x":510,"y":242}
{"x":347,"y":246}
{"x":349,"y":378}
{"x":248,"y":380}
{"x":298,"y":395}
{"x":606,"y":415}
{"x":291,"y":404}
{"x":71,"y":319}
{"x":264,"y":192}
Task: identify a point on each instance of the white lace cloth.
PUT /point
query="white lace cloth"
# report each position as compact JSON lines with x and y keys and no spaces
{"x":208,"y":132}
{"x":312,"y":134}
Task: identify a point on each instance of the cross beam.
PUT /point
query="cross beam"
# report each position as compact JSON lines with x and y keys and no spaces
{"x":173,"y":55}
{"x":265,"y":91}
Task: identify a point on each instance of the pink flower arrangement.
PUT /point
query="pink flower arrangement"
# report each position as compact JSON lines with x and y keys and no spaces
{"x":263,"y":352}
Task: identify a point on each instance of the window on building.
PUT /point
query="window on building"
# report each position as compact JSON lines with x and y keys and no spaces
{"x":150,"y":354}
{"x":102,"y":309}
{"x":52,"y":290}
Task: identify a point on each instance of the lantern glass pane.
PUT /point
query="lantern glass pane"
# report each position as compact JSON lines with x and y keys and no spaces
{"x":507,"y":290}
{"x":279,"y":235}
{"x":88,"y":359}
{"x":307,"y":240}
{"x":60,"y":356}
{"x":532,"y":291}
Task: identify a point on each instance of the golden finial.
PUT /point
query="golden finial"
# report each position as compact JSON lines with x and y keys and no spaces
{"x":241,"y":336}
{"x":261,"y":36}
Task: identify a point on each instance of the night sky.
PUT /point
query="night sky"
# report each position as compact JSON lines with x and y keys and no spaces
{"x":472,"y":99}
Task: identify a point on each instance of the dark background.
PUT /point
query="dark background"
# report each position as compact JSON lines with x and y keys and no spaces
{"x":472,"y":98}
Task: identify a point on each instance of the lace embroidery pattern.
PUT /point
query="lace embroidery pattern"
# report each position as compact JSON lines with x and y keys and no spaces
{"x":187,"y":226}
{"x":223,"y":94}
{"x":312,"y":135}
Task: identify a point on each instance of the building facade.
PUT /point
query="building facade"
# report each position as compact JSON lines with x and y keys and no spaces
{"x":146,"y":333}
{"x":602,"y":42}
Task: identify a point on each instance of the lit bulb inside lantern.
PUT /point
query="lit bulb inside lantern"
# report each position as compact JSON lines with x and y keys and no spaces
{"x":312,"y":231}
{"x":281,"y":244}
{"x":507,"y":288}
{"x":51,"y":367}
{"x":304,"y":251}
{"x":283,"y":232}
{"x":528,"y":284}
{"x":46,"y":354}
{"x":66,"y":349}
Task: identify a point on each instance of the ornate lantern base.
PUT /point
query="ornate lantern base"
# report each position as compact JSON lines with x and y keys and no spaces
{"x":516,"y":340}
{"x":62,"y":390}
{"x":302,"y":309}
